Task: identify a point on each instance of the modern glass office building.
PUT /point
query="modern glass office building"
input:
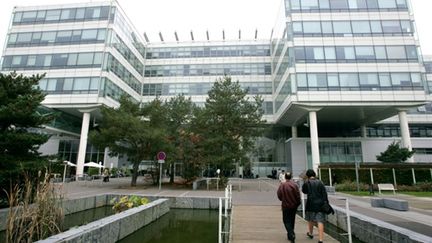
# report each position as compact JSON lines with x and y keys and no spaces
{"x":340,"y":79}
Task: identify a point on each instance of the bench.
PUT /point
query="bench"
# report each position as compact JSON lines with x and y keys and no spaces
{"x":386,"y":187}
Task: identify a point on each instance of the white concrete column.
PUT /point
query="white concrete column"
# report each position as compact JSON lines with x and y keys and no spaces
{"x":294,"y":132}
{"x":406,"y":139}
{"x":363,"y":131}
{"x":313,"y":126}
{"x":83,"y":142}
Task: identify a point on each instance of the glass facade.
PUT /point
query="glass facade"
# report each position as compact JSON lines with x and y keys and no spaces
{"x":345,"y":5}
{"x":216,"y":69}
{"x":208,"y":51}
{"x":353,"y":28}
{"x":359,"y":81}
{"x":74,"y":85}
{"x":61,"y":15}
{"x":53,"y":61}
{"x":62,"y":37}
{"x":337,"y":152}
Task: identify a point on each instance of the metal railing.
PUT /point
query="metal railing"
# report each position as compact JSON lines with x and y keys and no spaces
{"x":225,"y":205}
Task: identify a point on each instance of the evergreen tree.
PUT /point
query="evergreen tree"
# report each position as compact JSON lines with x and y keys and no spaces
{"x":19,"y":101}
{"x":133,"y":131}
{"x":395,"y":154}
{"x":228,"y":124}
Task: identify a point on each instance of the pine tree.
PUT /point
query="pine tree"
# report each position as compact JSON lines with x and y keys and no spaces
{"x":395,"y":154}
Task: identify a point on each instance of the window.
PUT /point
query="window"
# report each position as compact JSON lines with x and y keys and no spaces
{"x":401,"y":4}
{"x":72,"y":59}
{"x":81,"y":84}
{"x":387,"y":3}
{"x":400,"y":79}
{"x":416,"y":79}
{"x":85,"y":59}
{"x":48,"y":37}
{"x":299,"y":53}
{"x":372,"y":4}
{"x":12,"y":38}
{"x":89,"y":34}
{"x":396,"y":52}
{"x":295,"y":4}
{"x":345,"y":53}
{"x":311,"y":27}
{"x":52,"y":15}
{"x":376,"y":27}
{"x":24,"y":37}
{"x":301,"y":80}
{"x":368,"y":79}
{"x":29,"y":16}
{"x":17,"y":17}
{"x":327,"y":27}
{"x":364,"y":53}
{"x":348,"y":80}
{"x":339,"y":4}
{"x":342,"y":27}
{"x":297,"y":27}
{"x":385,"y":80}
{"x":380,"y":53}
{"x":309,"y":4}
{"x":391,"y":26}
{"x":330,"y":53}
{"x":406,"y":26}
{"x":67,"y":84}
{"x":361,"y":27}
{"x":333,"y":80}
{"x":411,"y":52}
{"x":324,"y":4}
{"x":31,"y":60}
{"x":64,"y":36}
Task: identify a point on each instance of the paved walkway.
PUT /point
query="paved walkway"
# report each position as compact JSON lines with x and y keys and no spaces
{"x":263,"y":224}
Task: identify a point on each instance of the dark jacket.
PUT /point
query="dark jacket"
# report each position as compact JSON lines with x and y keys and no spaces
{"x":289,"y":194}
{"x":316,"y":194}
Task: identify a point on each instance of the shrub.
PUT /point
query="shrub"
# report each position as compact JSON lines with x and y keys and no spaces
{"x":350,"y":186}
{"x":93,"y":171}
{"x":125,"y":203}
{"x":35,"y":211}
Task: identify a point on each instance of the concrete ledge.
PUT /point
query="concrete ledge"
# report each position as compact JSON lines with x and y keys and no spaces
{"x":115,"y":227}
{"x":391,"y":203}
{"x":368,"y":229}
{"x":329,"y":189}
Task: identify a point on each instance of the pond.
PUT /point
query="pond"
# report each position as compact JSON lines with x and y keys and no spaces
{"x":179,"y":226}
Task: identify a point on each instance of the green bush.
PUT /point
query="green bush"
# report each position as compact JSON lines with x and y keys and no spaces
{"x":351,"y":186}
{"x":125,"y":203}
{"x":93,"y":171}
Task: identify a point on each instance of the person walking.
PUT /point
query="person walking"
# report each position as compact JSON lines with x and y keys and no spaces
{"x":282,"y":176}
{"x":289,"y":193}
{"x":316,"y":196}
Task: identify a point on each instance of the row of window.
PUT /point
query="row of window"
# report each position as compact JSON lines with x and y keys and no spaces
{"x":62,"y":15}
{"x":208,"y":69}
{"x":358,"y":81}
{"x":423,"y":150}
{"x":124,"y":50}
{"x":345,"y":5}
{"x":121,"y":71}
{"x":332,"y":152}
{"x":356,"y":54}
{"x":210,"y":51}
{"x":263,"y":88}
{"x":353,"y":28}
{"x":65,"y":37}
{"x":76,"y":85}
{"x":113,"y":91}
{"x":53,"y":61}
{"x":394,"y":131}
{"x":284,"y":92}
{"x":428,"y":66}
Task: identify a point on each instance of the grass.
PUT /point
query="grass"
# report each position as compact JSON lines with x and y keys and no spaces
{"x":366,"y":193}
{"x":418,"y":194}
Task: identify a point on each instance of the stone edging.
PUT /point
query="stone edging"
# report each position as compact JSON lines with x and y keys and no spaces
{"x":368,"y":229}
{"x":114,"y":227}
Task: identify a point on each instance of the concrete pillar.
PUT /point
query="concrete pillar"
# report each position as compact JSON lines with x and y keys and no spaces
{"x":330,"y":177}
{"x":406,"y":139}
{"x":363,"y":131}
{"x":371,"y":176}
{"x":83,"y":142}
{"x":294,"y":132}
{"x":313,"y":126}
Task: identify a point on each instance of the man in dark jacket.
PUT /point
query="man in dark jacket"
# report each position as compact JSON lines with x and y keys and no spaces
{"x":289,"y":194}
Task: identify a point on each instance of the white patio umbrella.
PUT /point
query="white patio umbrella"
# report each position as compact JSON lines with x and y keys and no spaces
{"x":67,"y":163}
{"x":93,"y":164}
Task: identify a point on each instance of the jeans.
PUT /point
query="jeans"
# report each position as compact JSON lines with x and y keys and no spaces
{"x":289,"y":215}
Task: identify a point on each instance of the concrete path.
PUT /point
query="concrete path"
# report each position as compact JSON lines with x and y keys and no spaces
{"x":263,"y":224}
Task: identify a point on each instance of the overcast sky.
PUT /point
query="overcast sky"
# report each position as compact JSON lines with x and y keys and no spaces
{"x":167,"y":16}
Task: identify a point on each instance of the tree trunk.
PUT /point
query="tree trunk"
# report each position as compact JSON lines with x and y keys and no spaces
{"x":134,"y":174}
{"x":172,"y":173}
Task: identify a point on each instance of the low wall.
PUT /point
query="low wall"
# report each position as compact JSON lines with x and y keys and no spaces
{"x":368,"y":229}
{"x":114,"y":227}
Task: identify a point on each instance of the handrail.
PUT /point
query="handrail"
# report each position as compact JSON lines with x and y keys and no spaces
{"x":224,"y":218}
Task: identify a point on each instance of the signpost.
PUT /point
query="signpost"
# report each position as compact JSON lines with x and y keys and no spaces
{"x":161,"y":159}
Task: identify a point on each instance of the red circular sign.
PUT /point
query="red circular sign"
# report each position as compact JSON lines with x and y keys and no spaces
{"x":161,"y":156}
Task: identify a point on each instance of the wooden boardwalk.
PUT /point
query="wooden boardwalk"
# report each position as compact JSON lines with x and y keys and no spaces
{"x":263,"y":224}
